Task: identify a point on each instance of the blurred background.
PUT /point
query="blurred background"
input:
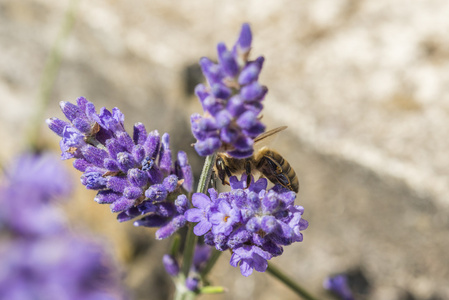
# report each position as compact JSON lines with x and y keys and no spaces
{"x":362,"y":86}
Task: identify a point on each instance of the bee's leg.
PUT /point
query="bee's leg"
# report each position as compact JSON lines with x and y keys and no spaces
{"x":213,"y":180}
{"x":222,"y":170}
{"x":248,"y":173}
{"x":274,"y":172}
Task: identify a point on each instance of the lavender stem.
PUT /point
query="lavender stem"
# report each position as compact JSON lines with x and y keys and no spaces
{"x":290,"y":283}
{"x":191,"y":237}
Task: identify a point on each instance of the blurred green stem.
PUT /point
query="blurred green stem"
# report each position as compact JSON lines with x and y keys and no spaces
{"x":49,"y":75}
{"x":191,"y":238}
{"x":211,"y":262}
{"x":290,"y":283}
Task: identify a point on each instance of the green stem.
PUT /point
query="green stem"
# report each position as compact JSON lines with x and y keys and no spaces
{"x":212,"y":260}
{"x":49,"y":75}
{"x":191,"y":238}
{"x":275,"y":272}
{"x":206,"y":173}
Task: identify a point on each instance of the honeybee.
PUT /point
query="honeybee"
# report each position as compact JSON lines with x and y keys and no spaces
{"x":268,"y":162}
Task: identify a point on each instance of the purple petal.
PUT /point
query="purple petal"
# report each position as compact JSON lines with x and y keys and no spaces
{"x":170,"y":228}
{"x":202,"y":227}
{"x":156,"y":192}
{"x":94,"y":155}
{"x":194,"y":215}
{"x":139,"y":134}
{"x":235,"y":106}
{"x":121,"y":204}
{"x":70,"y":110}
{"x":81,"y":164}
{"x":137,"y":177}
{"x":226,"y":60}
{"x":165,"y":161}
{"x":253,"y":91}
{"x":138,"y":153}
{"x":57,"y":125}
{"x":220,"y":91}
{"x":201,"y":200}
{"x":82,"y":125}
{"x":182,"y":204}
{"x":117,"y":184}
{"x":207,"y":146}
{"x":249,"y":74}
{"x":111,"y":165}
{"x":186,"y":171}
{"x":106,"y":197}
{"x":132,"y":192}
{"x":211,"y":71}
{"x":170,"y":265}
{"x":125,"y":161}
{"x":151,"y":144}
{"x":245,"y":38}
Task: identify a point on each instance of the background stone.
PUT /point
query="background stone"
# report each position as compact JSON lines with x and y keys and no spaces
{"x":362,"y":86}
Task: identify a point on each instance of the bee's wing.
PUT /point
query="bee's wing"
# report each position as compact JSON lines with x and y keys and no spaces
{"x":266,"y":135}
{"x":269,"y":133}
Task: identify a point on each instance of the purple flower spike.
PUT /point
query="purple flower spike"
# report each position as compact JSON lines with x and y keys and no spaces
{"x":133,"y":174}
{"x":255,"y":223}
{"x":231,"y":103}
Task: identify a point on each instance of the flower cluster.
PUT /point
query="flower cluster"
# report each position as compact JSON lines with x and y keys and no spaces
{"x":232,"y":102}
{"x":253,"y":222}
{"x":40,"y":257}
{"x":135,"y":175}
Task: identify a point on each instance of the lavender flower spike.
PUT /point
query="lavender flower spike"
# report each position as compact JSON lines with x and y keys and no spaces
{"x":254,"y":223}
{"x":133,"y":174}
{"x":232,"y":101}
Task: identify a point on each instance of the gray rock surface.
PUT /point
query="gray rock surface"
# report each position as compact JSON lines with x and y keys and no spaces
{"x":362,"y":86}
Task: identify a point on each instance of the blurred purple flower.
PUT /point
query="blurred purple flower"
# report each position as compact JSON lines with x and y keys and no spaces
{"x":40,"y":257}
{"x":232,"y":101}
{"x":30,"y":184}
{"x":57,"y":267}
{"x":170,"y":265}
{"x":201,"y":256}
{"x":338,"y":284}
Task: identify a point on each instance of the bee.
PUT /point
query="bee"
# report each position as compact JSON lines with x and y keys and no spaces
{"x":268,"y":162}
